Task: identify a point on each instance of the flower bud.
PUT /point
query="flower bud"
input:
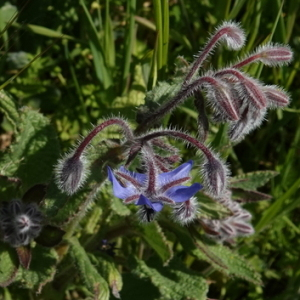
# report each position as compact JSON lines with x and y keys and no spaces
{"x":221,"y":99}
{"x":186,"y":212}
{"x":274,"y":55}
{"x":70,"y":173}
{"x":233,"y":35}
{"x":251,"y":118}
{"x":276,"y":97}
{"x":215,"y":175}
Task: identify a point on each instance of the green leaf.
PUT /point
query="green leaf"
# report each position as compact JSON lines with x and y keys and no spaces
{"x":35,"y":151}
{"x":97,"y":50}
{"x":50,"y":236}
{"x":174,"y":282}
{"x":211,"y":209}
{"x":94,"y":282}
{"x":253,"y":180}
{"x":248,"y":196}
{"x":35,"y":194}
{"x":119,"y":207}
{"x":162,"y":92}
{"x":235,"y":264}
{"x":154,"y":236}
{"x":220,"y":257}
{"x":42,"y":269}
{"x":9,"y":109}
{"x":107,"y":268}
{"x":41,"y":30}
{"x":8,"y":265}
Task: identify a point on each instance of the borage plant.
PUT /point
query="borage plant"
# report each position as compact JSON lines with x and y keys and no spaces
{"x":152,"y":181}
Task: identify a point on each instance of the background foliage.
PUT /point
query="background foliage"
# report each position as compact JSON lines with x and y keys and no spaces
{"x":67,"y":64}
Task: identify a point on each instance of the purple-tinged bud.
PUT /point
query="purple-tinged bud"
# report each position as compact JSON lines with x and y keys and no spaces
{"x":71,"y":173}
{"x":215,"y":174}
{"x":251,"y":118}
{"x":270,"y":55}
{"x":248,"y":88}
{"x":274,"y":55}
{"x":242,"y":228}
{"x":186,"y":212}
{"x":252,"y":91}
{"x":229,"y":33}
{"x":276,"y":97}
{"x":227,"y":229}
{"x":211,"y":227}
{"x":232,"y":34}
{"x":221,"y":98}
{"x":243,"y":215}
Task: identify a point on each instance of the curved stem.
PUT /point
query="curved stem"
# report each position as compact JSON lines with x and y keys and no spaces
{"x":182,"y":136}
{"x":113,"y":121}
{"x":183,"y":94}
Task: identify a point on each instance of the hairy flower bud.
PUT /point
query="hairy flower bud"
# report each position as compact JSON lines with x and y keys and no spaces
{"x":215,"y":175}
{"x":270,"y":55}
{"x":274,"y":55}
{"x":70,"y":173}
{"x":233,"y":35}
{"x":185,"y":212}
{"x":221,"y":98}
{"x":251,"y":118}
{"x":276,"y":97}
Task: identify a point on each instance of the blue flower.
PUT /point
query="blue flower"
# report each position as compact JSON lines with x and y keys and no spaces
{"x":153,"y":189}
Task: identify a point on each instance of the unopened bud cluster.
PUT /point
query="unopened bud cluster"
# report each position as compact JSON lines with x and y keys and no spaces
{"x":235,"y":97}
{"x":230,"y":227}
{"x":20,"y":222}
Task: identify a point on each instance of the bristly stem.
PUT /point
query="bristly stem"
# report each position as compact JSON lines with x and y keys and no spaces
{"x":167,"y":107}
{"x":247,"y":61}
{"x":203,"y":55}
{"x":182,"y":136}
{"x":113,"y":121}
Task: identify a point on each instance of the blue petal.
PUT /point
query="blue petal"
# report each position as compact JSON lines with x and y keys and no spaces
{"x":118,"y":190}
{"x":180,"y":172}
{"x":139,"y":177}
{"x":156,"y":206}
{"x":183,"y":193}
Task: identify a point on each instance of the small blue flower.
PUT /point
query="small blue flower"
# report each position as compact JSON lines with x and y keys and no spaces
{"x":153,"y":189}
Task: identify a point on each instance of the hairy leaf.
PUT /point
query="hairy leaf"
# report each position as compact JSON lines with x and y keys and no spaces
{"x":154,"y":236}
{"x":174,"y":282}
{"x":93,"y":281}
{"x":42,"y":269}
{"x":8,"y":265}
{"x":219,"y":256}
{"x":35,"y":151}
{"x":242,"y":195}
{"x":211,"y":209}
{"x":8,"y":108}
{"x":253,"y":180}
{"x":107,"y":268}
